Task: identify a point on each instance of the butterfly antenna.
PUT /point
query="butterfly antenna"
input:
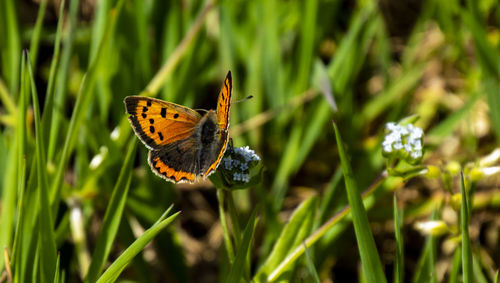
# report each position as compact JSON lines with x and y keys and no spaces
{"x":243,"y":99}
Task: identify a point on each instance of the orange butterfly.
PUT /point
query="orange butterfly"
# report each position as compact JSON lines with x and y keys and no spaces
{"x":183,"y":144}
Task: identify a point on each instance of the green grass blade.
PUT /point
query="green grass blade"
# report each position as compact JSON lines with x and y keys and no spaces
{"x":35,"y":37}
{"x":113,"y":216}
{"x":448,"y":125}
{"x":370,"y":260}
{"x":10,"y":64}
{"x":307,"y":41}
{"x":395,"y":92}
{"x":114,"y":270}
{"x":486,"y":54}
{"x":26,"y":246}
{"x":48,"y":251}
{"x":83,"y":100}
{"x":238,"y":268}
{"x":310,"y":264}
{"x":426,"y":267}
{"x":464,"y":224}
{"x":399,"y":262}
{"x":292,"y":235}
{"x":6,"y":98}
{"x":280,"y":183}
{"x":491,"y":85}
{"x":313,"y":129}
{"x":455,"y":266}
{"x":496,"y":277}
{"x":327,"y":198}
{"x":11,"y":184}
{"x":62,"y":81}
{"x":57,"y":274}
{"x":49,"y":95}
{"x":16,"y":173}
{"x":479,"y":276}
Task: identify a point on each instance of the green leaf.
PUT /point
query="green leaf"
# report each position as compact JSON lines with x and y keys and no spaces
{"x":113,"y":216}
{"x":464,"y":225}
{"x":370,"y":260}
{"x":47,"y":243}
{"x":292,"y":235}
{"x":114,"y":270}
{"x":238,"y":268}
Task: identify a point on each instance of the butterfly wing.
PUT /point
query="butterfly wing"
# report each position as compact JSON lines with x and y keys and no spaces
{"x":224,"y":102}
{"x":177,"y":161}
{"x":223,"y":105}
{"x":158,"y":123}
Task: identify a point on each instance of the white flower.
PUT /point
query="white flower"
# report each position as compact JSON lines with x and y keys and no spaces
{"x":403,"y":141}
{"x":238,"y":162}
{"x":247,"y":153}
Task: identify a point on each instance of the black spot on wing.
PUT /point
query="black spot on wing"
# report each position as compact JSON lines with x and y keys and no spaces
{"x":176,"y":116}
{"x":160,"y":135}
{"x":144,"y":109}
{"x":163,"y":112}
{"x":149,"y":103}
{"x":144,"y":115}
{"x":152,"y":121}
{"x":152,"y":129}
{"x":140,"y":132}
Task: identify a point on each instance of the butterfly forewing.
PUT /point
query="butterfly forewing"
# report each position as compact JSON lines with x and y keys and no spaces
{"x":158,"y":123}
{"x":224,"y":102}
{"x":223,"y":105}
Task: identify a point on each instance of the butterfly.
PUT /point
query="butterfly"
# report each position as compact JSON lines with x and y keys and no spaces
{"x":183,"y":144}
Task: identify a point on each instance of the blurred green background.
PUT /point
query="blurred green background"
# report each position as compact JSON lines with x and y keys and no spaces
{"x":306,"y":63}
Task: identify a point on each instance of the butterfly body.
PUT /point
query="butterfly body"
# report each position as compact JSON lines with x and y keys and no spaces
{"x":184,"y":145}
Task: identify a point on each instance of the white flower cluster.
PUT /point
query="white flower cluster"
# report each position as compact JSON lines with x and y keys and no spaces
{"x":240,"y":165}
{"x":247,"y":153}
{"x":403,"y":140}
{"x":242,"y":177}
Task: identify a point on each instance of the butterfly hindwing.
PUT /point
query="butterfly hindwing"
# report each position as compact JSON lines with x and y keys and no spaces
{"x":157,"y":122}
{"x":177,"y":161}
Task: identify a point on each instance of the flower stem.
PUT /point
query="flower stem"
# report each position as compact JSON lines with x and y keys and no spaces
{"x":234,"y":218}
{"x":225,"y":229}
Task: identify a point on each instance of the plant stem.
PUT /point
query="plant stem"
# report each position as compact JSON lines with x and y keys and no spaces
{"x":233,"y":215}
{"x":225,"y":229}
